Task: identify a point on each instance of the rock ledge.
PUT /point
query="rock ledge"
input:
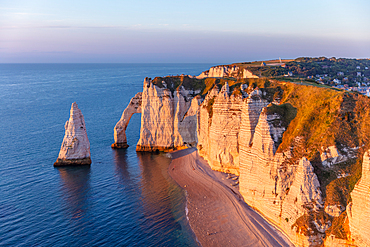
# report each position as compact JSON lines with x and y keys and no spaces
{"x":73,"y":162}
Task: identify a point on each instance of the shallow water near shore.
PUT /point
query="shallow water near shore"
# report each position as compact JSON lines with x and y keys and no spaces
{"x":123,"y":199}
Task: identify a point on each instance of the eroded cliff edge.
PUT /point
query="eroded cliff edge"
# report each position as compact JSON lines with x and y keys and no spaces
{"x":298,"y":148}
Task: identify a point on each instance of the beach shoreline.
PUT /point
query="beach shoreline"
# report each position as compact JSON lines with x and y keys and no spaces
{"x":217,"y":212}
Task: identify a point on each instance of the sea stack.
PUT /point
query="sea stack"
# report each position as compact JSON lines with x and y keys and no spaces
{"x":75,"y":149}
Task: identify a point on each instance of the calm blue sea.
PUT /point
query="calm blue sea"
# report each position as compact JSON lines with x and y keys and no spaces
{"x":124,"y":199}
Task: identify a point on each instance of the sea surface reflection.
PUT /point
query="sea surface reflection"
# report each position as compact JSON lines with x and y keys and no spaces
{"x":124,"y":198}
{"x":75,"y":190}
{"x":121,"y":164}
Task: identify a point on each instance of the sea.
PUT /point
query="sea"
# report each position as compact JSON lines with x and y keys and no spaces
{"x":125,"y":198}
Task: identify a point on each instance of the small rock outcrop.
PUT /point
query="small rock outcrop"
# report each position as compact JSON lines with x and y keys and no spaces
{"x":332,"y":156}
{"x":358,"y":210}
{"x":75,"y":149}
{"x":120,"y":140}
{"x":227,"y":71}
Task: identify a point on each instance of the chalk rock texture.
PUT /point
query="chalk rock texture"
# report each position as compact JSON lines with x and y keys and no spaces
{"x":168,"y":119}
{"x":120,"y":140}
{"x":237,"y":134}
{"x":358,"y":211}
{"x":240,"y":132}
{"x":227,"y":71}
{"x":251,"y":110}
{"x":75,"y":149}
{"x":279,"y":190}
{"x":221,"y":131}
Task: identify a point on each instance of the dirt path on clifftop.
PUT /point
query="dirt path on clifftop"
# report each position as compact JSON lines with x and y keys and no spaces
{"x":217,"y":214}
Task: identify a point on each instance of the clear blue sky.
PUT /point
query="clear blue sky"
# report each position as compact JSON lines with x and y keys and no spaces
{"x":181,"y":31}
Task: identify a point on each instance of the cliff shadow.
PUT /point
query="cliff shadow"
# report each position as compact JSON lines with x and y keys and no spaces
{"x":286,"y":114}
{"x":182,"y":153}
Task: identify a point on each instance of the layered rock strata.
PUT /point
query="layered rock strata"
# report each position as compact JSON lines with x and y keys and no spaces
{"x":120,"y":140}
{"x":75,"y":149}
{"x":241,"y":131}
{"x":218,"y":132}
{"x":240,"y":135}
{"x":358,"y":210}
{"x":227,"y":71}
{"x":282,"y":192}
{"x":225,"y":123}
{"x":251,"y":110}
{"x":168,"y":119}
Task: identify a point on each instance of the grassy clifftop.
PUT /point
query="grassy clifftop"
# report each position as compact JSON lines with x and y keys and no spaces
{"x":324,"y":116}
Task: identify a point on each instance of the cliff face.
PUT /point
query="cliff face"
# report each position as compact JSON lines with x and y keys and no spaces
{"x":282,"y":192}
{"x":168,"y":118}
{"x":241,"y":136}
{"x":294,"y":146}
{"x":157,"y":119}
{"x":75,"y":149}
{"x":221,"y":130}
{"x":251,"y":110}
{"x":227,"y":71}
{"x":358,"y":210}
{"x":185,"y":121}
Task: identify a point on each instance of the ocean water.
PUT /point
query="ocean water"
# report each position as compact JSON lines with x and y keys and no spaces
{"x":124,"y":199}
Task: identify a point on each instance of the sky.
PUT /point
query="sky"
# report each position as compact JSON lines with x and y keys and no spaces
{"x":177,"y":31}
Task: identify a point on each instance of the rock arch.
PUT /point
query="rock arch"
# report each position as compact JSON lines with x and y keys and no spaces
{"x":120,"y":140}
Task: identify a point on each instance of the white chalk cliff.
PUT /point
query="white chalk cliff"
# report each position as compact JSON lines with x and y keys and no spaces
{"x":239,"y":131}
{"x":235,"y":134}
{"x":168,"y":118}
{"x":358,"y":211}
{"x":218,"y":135}
{"x":75,"y":149}
{"x":283,"y":192}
